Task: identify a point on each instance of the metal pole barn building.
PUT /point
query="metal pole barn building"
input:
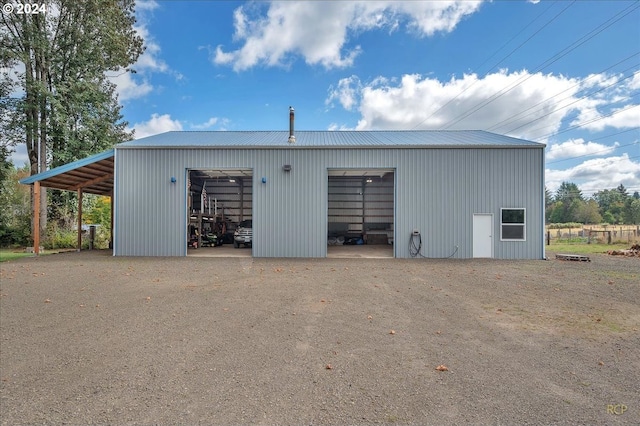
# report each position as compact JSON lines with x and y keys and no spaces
{"x":458,"y":194}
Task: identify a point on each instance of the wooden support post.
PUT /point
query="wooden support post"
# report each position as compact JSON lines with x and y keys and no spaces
{"x":111,"y":231}
{"x":241,"y":199}
{"x":36,"y":217}
{"x":79,"y":219}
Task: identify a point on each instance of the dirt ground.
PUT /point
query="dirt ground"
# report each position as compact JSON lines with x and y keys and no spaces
{"x":87,"y":338}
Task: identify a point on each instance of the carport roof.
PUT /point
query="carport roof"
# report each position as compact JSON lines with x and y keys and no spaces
{"x":93,"y":174}
{"x":332,"y":139}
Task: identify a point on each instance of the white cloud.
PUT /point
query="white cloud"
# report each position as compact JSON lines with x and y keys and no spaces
{"x":346,"y":93}
{"x":127,"y":87}
{"x":578,"y":148}
{"x":207,"y":124}
{"x":146,"y":5}
{"x":156,"y":124}
{"x":460,"y":103}
{"x":519,"y":103}
{"x":132,"y":86}
{"x":319,"y":31}
{"x":19,"y":157}
{"x":635,"y":81}
{"x":625,"y":117}
{"x":150,"y":59}
{"x":597,"y":174}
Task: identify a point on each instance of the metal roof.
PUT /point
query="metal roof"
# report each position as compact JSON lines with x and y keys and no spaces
{"x":93,"y":174}
{"x":332,"y":139}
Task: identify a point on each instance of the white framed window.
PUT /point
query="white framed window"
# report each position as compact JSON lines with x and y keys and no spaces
{"x":512,"y":225}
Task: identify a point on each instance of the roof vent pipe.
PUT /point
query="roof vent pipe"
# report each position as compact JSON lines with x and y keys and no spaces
{"x":292,"y":138}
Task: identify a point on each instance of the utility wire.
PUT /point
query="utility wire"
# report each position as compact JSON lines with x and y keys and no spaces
{"x":548,"y":62}
{"x":514,"y":117}
{"x":615,"y":134}
{"x":576,"y":101}
{"x":584,"y":123}
{"x":520,"y":32}
{"x":501,"y":60}
{"x":593,"y":153}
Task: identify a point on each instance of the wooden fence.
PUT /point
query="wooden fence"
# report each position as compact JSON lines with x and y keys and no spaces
{"x":595,"y":234}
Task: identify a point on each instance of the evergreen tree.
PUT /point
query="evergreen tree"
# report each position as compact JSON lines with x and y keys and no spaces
{"x":68,"y":108}
{"x":612,"y":204}
{"x":567,"y":203}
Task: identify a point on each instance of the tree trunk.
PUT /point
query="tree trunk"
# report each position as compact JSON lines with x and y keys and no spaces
{"x":42,"y":91}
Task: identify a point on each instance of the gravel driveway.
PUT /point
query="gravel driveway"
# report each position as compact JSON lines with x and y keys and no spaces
{"x":87,"y":338}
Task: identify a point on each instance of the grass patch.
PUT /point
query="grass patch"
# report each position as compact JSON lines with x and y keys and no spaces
{"x":585,"y":248}
{"x":8,"y":254}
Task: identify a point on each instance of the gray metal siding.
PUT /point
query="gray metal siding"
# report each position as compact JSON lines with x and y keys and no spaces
{"x":440,"y":190}
{"x":437,"y":191}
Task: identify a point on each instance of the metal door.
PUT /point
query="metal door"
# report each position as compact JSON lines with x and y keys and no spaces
{"x":482,"y":235}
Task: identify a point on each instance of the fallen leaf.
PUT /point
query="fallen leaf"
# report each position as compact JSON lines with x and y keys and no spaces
{"x":442,"y":367}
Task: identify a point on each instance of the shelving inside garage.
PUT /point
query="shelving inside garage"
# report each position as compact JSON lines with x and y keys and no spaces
{"x":230,"y":190}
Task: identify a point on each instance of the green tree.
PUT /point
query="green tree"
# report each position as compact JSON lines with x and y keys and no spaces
{"x":548,"y":203}
{"x":14,"y":208}
{"x":612,"y":204}
{"x":69,"y":108}
{"x":634,"y":211}
{"x":556,"y":213}
{"x":566,"y":203}
{"x":588,"y":212}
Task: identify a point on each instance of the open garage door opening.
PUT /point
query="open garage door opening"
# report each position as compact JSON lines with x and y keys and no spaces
{"x":220,"y":213}
{"x":360,"y":215}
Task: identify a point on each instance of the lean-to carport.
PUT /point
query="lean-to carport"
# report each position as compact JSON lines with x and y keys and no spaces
{"x":93,"y":175}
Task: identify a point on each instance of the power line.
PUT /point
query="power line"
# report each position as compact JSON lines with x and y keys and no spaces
{"x":593,"y":120}
{"x":547,"y":63}
{"x":501,"y":60}
{"x":593,"y":153}
{"x":615,"y":134}
{"x":574,"y":102}
{"x":514,"y":117}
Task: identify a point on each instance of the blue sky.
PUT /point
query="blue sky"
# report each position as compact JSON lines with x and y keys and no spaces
{"x":563,"y":73}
